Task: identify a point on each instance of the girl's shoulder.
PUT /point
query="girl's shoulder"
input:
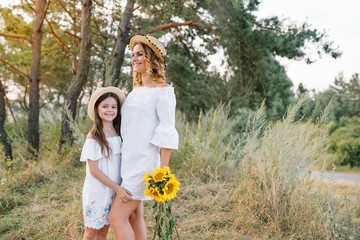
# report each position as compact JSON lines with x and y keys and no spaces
{"x":89,"y":136}
{"x":90,"y":141}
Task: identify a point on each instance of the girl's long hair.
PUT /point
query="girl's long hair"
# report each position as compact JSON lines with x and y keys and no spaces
{"x":153,"y":67}
{"x":97,"y":129}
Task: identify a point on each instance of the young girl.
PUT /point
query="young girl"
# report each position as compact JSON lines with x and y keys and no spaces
{"x":102,"y":153}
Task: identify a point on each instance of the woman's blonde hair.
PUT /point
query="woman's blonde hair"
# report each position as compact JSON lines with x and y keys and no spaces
{"x":153,"y":67}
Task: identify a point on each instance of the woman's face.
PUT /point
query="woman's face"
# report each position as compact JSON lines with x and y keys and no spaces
{"x":108,"y":109}
{"x":138,"y":59}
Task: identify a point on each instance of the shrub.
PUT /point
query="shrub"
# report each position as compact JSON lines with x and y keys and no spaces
{"x":345,"y":142}
{"x":275,"y":194}
{"x":207,"y":147}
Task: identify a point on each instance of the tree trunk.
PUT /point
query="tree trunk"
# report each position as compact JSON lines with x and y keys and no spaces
{"x":80,"y":77}
{"x":34,"y":94}
{"x":122,"y":40}
{"x":4,"y":137}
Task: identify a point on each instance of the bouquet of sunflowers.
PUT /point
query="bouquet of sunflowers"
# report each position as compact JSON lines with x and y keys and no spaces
{"x":162,"y":186}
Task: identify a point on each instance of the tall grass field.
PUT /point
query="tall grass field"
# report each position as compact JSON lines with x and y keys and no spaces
{"x":253,"y":184}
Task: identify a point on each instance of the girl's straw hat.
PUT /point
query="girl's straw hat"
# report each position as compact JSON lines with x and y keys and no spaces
{"x":151,"y":42}
{"x":98,"y":93}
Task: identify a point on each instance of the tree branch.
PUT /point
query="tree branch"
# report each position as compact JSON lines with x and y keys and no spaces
{"x":66,"y":10}
{"x":30,"y":5}
{"x":15,"y":68}
{"x":73,"y":35}
{"x":23,"y":104}
{"x":10,"y":108}
{"x":16,"y":36}
{"x":58,"y":39}
{"x":175,"y":24}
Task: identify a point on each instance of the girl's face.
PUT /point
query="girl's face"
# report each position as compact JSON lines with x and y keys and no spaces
{"x":108,"y":109}
{"x":138,"y":59}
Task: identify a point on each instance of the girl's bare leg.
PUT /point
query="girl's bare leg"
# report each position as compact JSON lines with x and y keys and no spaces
{"x":102,"y":233}
{"x":119,"y":218}
{"x":90,"y":234}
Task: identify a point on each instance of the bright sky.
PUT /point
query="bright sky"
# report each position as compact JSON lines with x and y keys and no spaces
{"x":339,"y":18}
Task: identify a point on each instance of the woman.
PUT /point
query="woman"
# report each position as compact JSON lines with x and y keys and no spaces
{"x":148,"y":131}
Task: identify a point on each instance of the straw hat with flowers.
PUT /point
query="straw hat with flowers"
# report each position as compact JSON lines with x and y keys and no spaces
{"x":151,"y":42}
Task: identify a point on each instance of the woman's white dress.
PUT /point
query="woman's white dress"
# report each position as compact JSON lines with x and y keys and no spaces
{"x":147,"y":124}
{"x":97,"y":197}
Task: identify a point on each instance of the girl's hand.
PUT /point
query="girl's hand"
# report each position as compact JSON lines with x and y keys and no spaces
{"x":123,"y":194}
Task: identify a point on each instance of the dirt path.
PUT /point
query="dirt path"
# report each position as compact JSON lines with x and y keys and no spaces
{"x":345,"y":177}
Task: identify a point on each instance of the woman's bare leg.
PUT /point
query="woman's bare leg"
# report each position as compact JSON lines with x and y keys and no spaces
{"x":137,"y":222}
{"x":119,"y":218}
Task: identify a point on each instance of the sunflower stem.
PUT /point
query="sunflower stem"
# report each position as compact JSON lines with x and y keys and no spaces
{"x":157,"y":218}
{"x":173,"y":218}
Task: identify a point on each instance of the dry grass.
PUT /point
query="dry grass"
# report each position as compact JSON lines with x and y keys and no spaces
{"x":347,"y":189}
{"x":230,"y":190}
{"x":52,"y":209}
{"x":272,"y":191}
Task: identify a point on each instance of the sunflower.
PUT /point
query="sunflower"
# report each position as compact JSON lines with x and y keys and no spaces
{"x":147,"y":178}
{"x":171,"y":188}
{"x":154,"y":193}
{"x":167,"y":169}
{"x":159,"y":174}
{"x":162,"y":186}
{"x":171,"y":177}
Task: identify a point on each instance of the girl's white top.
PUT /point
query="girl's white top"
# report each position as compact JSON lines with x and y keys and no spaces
{"x":97,"y":197}
{"x":147,"y":124}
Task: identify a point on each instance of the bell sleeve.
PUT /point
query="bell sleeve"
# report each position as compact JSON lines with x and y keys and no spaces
{"x":165,"y":134}
{"x":91,"y":150}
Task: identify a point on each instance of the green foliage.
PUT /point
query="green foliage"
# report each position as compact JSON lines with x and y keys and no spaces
{"x":345,"y":96}
{"x":345,"y":142}
{"x":249,"y":47}
{"x":195,"y":91}
{"x":343,"y":118}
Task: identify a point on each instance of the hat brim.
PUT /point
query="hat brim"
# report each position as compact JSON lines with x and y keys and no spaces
{"x":151,"y":42}
{"x":98,"y":93}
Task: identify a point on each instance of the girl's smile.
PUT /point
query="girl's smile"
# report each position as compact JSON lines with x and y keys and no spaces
{"x":108,"y":109}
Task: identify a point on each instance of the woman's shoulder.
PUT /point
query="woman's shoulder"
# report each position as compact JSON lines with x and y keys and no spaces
{"x":156,"y":86}
{"x":162,"y":85}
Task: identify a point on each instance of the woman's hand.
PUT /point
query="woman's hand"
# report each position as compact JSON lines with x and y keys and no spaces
{"x":164,"y":157}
